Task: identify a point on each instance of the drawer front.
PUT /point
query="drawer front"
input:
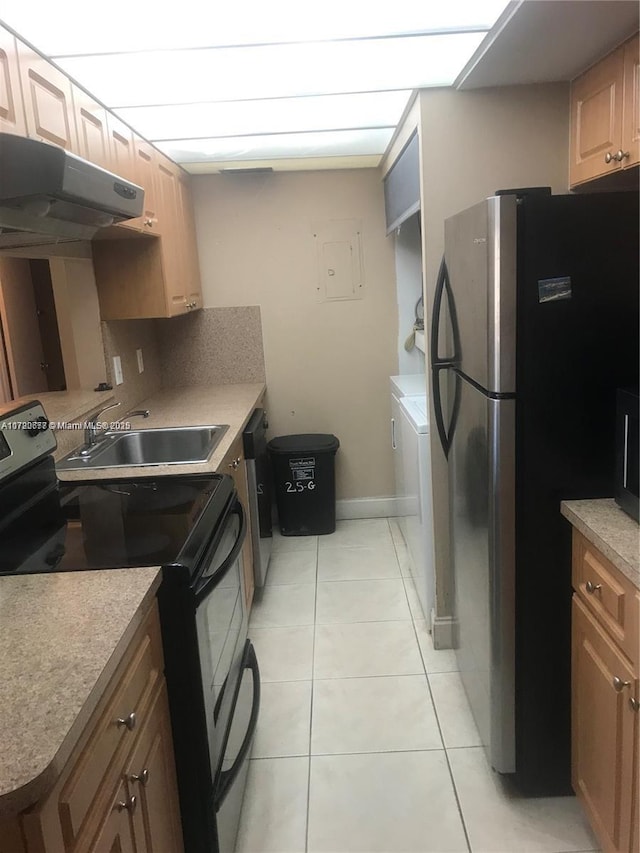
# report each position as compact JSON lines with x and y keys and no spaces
{"x":610,"y":596}
{"x":115,"y":731}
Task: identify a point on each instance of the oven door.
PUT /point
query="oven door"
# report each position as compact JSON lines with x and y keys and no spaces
{"x":221,"y":626}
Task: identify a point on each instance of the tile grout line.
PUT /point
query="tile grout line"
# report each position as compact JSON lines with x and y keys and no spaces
{"x":313,"y":661}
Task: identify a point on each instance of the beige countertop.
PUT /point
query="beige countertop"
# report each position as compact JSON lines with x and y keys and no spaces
{"x":611,"y":530}
{"x":61,"y":639}
{"x":64,"y":405}
{"x":195,"y":405}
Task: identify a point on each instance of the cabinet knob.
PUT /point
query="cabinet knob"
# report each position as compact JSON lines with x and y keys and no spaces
{"x":129,"y":722}
{"x":149,"y":222}
{"x":235,"y":464}
{"x":619,"y":684}
{"x":592,"y":587}
{"x":634,"y":704}
{"x":142,"y":777}
{"x":621,"y":155}
{"x":609,"y":157}
{"x":127,"y":805}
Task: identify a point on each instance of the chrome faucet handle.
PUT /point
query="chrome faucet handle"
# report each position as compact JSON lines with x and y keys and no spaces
{"x":91,"y":431}
{"x":138,"y":413}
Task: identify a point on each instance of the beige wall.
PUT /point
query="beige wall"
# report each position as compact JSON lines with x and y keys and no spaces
{"x":473,"y":143}
{"x":123,"y":338}
{"x":327,"y":364}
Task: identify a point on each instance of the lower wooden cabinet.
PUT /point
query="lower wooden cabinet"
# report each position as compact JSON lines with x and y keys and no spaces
{"x":605,"y":701}
{"x":118,"y":791}
{"x":234,"y":464}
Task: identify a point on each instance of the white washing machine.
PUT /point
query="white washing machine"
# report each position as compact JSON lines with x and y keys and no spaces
{"x":409,"y":384}
{"x":418,"y":522}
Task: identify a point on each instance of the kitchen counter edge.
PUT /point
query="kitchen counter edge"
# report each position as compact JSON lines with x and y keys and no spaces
{"x":20,"y":788}
{"x":611,"y":530}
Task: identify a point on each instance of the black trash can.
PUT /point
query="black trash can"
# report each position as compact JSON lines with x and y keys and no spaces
{"x":304,"y":482}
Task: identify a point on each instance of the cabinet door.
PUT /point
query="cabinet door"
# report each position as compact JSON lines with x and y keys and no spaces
{"x":116,"y":833}
{"x":234,"y":464}
{"x":146,"y":177}
{"x":596,"y":119}
{"x":175,"y":283}
{"x":188,"y":243}
{"x":11,"y":107}
{"x":48,"y":102}
{"x":93,"y":133}
{"x":604,"y":730}
{"x":151,"y":778}
{"x":631,"y":106}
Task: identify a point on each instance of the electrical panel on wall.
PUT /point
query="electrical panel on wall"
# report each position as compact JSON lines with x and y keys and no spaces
{"x":340,"y":269}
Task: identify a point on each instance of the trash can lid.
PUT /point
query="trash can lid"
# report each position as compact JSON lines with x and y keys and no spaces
{"x":304,"y":443}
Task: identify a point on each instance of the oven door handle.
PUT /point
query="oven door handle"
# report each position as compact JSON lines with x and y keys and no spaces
{"x":203,"y":590}
{"x":226,"y":778}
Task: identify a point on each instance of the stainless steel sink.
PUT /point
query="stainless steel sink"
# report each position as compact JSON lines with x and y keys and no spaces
{"x":173,"y":446}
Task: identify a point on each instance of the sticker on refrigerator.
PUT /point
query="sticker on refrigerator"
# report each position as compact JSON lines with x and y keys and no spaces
{"x":553,"y":289}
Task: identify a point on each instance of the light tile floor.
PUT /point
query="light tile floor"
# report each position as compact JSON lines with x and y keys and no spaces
{"x":365,"y":740}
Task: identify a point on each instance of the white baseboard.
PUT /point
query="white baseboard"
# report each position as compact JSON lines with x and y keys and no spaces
{"x":390,"y":507}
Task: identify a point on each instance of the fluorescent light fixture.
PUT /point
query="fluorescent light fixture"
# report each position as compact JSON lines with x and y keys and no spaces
{"x":190,"y":76}
{"x":79,"y":27}
{"x":277,"y":146}
{"x":236,"y":118}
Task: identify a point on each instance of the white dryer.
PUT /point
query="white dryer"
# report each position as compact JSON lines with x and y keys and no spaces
{"x":418,"y":523}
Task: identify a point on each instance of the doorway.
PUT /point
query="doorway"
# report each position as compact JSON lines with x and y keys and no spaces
{"x":31,"y":350}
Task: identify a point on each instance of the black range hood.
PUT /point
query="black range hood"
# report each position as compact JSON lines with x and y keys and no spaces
{"x":48,"y":195}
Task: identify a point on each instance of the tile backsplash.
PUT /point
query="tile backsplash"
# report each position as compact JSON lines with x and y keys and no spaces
{"x":123,"y":338}
{"x":218,"y":346}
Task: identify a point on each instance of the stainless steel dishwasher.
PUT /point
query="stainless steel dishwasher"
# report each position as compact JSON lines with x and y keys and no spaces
{"x":260,"y":492}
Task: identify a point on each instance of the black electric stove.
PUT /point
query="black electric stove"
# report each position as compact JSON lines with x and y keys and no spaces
{"x":194,"y":528}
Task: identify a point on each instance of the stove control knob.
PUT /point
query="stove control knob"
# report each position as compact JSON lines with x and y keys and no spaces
{"x":37,"y":426}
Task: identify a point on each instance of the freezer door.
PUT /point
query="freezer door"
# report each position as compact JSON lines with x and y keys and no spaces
{"x":480,"y":255}
{"x":482,"y":490}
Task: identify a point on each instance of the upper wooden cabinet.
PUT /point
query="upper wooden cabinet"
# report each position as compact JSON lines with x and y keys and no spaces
{"x":48,"y":102}
{"x":11,"y":107}
{"x":145,"y":171}
{"x":605,"y":116}
{"x":153,"y":276}
{"x":93,"y":133}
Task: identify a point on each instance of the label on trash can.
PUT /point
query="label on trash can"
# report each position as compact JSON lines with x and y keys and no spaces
{"x":303,"y":473}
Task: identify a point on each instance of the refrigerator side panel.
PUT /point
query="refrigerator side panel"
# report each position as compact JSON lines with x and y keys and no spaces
{"x":501,"y":294}
{"x":481,"y":481}
{"x":502,"y":581}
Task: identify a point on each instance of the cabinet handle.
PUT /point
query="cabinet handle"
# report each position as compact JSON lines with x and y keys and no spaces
{"x":619,"y":684}
{"x":634,"y":704}
{"x":592,"y":587}
{"x":150,"y":222}
{"x":142,"y":777}
{"x":127,"y":805}
{"x":129,"y":722}
{"x":394,"y":446}
{"x":236,"y":463}
{"x":618,"y":157}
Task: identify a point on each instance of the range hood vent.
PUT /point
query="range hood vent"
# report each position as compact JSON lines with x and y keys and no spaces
{"x":48,"y":195}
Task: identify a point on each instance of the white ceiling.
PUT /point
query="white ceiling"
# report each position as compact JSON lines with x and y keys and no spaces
{"x":260,"y":84}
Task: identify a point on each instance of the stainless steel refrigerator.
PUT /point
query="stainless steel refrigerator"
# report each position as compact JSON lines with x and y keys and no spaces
{"x":534,"y":326}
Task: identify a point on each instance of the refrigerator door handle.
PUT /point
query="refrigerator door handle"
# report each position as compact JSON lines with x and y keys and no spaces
{"x":437,"y":364}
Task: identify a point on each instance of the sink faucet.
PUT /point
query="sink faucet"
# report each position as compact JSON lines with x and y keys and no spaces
{"x":92,"y":431}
